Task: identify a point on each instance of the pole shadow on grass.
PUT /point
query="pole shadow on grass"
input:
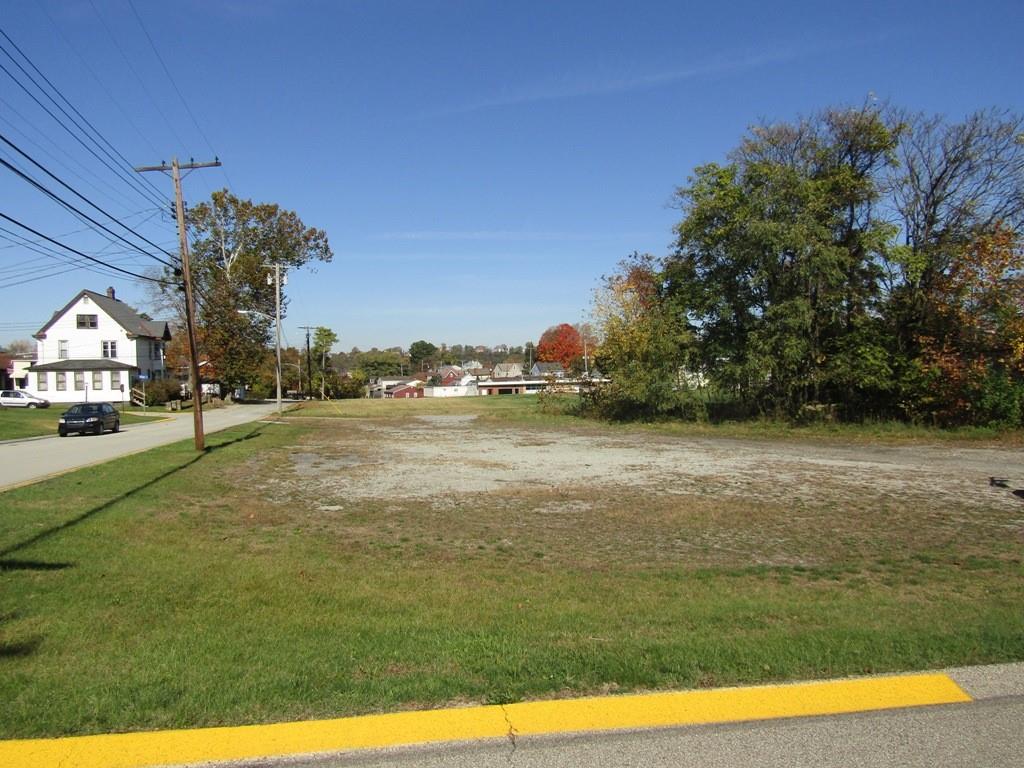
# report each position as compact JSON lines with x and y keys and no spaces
{"x":4,"y":560}
{"x":10,"y":564}
{"x":11,"y":649}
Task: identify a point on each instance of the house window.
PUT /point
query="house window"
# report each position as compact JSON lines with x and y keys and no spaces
{"x":154,"y":350}
{"x":97,"y":380}
{"x":87,"y":321}
{"x":115,"y":380}
{"x":41,"y":381}
{"x":110,"y":349}
{"x":62,"y":349}
{"x":62,"y":381}
{"x":80,"y":381}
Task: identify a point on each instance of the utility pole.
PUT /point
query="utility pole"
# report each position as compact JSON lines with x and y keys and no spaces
{"x":309,"y":359}
{"x":179,"y":209}
{"x":277,"y":320}
{"x":323,"y":374}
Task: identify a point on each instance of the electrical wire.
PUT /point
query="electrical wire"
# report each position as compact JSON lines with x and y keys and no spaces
{"x":22,"y":270}
{"x":110,"y":216}
{"x":75,"y":210}
{"x":72,"y":106}
{"x":152,"y":212}
{"x":99,"y":81}
{"x":174,"y":85}
{"x":123,"y":199}
{"x":131,"y":180}
{"x":37,"y":233}
{"x":131,"y":68}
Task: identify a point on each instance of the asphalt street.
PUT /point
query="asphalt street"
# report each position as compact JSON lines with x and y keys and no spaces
{"x":28,"y":460}
{"x":983,"y":732}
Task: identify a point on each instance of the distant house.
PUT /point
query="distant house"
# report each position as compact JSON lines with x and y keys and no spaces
{"x":507,"y":371}
{"x":464,"y":387}
{"x":404,"y":391}
{"x":95,"y":348}
{"x":381,"y":386}
{"x":546,"y":370}
{"x":450,"y":374}
{"x":512,"y":386}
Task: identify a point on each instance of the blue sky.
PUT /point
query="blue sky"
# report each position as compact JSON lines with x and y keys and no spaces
{"x":476,"y":165}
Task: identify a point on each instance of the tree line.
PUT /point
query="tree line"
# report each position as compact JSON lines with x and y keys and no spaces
{"x":856,"y":263}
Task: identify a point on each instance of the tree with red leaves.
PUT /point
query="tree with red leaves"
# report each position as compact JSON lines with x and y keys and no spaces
{"x":560,"y":344}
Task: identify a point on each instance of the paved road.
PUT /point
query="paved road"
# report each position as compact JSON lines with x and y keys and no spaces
{"x":984,"y":732}
{"x":25,"y":461}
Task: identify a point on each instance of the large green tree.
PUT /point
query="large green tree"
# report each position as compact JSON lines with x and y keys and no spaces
{"x":422,"y":352}
{"x":834,"y":263}
{"x":778,"y":259}
{"x":233,"y":243}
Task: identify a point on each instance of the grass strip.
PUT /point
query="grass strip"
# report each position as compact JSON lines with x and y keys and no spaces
{"x":170,"y":590}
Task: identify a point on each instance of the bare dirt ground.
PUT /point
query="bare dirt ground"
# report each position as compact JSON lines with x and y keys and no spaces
{"x":595,"y":495}
{"x":433,"y":456}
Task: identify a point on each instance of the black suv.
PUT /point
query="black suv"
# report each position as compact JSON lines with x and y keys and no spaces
{"x":89,"y":417}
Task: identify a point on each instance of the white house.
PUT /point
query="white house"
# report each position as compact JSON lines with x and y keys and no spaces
{"x":507,"y":371}
{"x":465,"y":386}
{"x":93,"y":347}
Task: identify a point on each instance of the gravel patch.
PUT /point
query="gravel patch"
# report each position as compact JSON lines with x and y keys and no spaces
{"x":444,"y":456}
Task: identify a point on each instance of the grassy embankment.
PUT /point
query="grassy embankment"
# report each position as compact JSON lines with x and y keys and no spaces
{"x":16,"y":423}
{"x":168,"y":590}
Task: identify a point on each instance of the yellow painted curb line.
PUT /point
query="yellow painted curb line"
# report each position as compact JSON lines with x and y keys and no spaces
{"x":136,"y":750}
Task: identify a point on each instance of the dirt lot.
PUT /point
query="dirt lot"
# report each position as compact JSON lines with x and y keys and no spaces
{"x":591,"y":494}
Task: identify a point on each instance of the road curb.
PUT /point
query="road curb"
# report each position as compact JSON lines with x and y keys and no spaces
{"x":724,"y":705}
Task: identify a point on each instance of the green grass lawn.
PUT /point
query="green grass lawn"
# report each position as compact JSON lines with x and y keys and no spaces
{"x":16,"y":423}
{"x":171,"y":589}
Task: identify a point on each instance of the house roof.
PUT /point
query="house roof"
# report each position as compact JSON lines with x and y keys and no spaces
{"x":104,"y":364}
{"x":506,"y":370}
{"x":121,"y":313}
{"x":549,"y":367}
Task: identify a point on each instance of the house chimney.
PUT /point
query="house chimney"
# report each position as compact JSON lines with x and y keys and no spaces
{"x":110,"y":293}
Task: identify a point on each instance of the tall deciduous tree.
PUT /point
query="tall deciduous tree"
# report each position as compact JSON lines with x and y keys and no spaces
{"x":560,"y":344}
{"x":862,"y":259}
{"x":778,"y":258}
{"x":234,"y":241}
{"x":324,"y":376}
{"x":421,"y":352}
{"x":644,"y":347}
{"x":20,"y":347}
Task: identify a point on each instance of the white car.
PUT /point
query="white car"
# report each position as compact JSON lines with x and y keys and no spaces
{"x":12,"y":398}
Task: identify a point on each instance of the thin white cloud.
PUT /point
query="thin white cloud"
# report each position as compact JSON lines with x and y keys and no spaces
{"x":567,"y":88}
{"x":502,"y":236}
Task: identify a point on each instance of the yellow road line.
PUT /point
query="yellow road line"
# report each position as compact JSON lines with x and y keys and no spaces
{"x":136,"y":750}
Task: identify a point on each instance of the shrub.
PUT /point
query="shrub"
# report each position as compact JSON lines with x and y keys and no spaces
{"x":161,"y":391}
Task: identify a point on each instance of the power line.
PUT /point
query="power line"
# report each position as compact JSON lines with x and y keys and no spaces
{"x":37,"y":233}
{"x":96,"y":77}
{"x":124,"y":200}
{"x":66,"y":101}
{"x":144,"y":191}
{"x":110,"y":216}
{"x":46,"y":191}
{"x":49,"y":253}
{"x":131,"y":68}
{"x":152,"y":212}
{"x":177,"y":90}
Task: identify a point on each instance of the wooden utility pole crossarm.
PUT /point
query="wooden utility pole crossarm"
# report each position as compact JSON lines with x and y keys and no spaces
{"x":179,"y":207}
